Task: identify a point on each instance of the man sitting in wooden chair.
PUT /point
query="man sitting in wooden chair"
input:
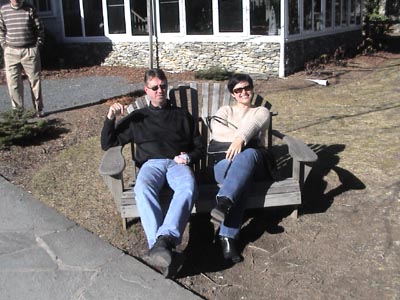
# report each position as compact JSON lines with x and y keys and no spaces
{"x":167,"y":142}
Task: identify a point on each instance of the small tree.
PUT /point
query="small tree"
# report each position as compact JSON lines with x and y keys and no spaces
{"x":19,"y":126}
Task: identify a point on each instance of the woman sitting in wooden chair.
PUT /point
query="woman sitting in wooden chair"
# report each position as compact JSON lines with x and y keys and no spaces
{"x":245,"y":128}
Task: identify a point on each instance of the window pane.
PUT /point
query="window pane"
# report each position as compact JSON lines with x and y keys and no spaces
{"x":307,"y":14}
{"x":116,"y":16}
{"x":352,"y":11}
{"x":328,"y":16}
{"x":317,"y":15}
{"x":199,"y":16}
{"x":265,"y":16}
{"x":139,"y":17}
{"x":72,"y":18}
{"x":43,"y":5}
{"x":344,"y":12}
{"x":337,"y":12}
{"x":358,"y":12}
{"x":169,"y":16}
{"x":230,"y":15}
{"x":93,"y":12}
{"x":294,"y":17}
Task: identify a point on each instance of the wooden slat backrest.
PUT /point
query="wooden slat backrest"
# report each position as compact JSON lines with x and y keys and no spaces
{"x":202,"y":100}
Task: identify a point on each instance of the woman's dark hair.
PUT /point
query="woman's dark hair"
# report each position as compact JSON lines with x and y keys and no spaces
{"x":154,"y":73}
{"x":236,"y":78}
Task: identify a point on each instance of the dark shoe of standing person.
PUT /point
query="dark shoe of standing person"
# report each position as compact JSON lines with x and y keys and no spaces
{"x":229,"y":249}
{"x":219,"y":212}
{"x":40,"y":114}
{"x":160,"y":255}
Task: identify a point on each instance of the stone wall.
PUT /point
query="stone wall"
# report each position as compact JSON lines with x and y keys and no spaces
{"x":297,"y":53}
{"x":253,"y":58}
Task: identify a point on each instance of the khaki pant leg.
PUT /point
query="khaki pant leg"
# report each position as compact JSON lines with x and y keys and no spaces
{"x":12,"y":61}
{"x":31,"y":63}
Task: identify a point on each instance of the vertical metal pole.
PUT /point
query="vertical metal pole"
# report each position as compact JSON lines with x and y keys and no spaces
{"x":150,"y":28}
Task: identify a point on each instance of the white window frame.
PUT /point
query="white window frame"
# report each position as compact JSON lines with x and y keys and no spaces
{"x":324,"y":30}
{"x":83,"y":38}
{"x":122,"y":37}
{"x":217,"y":36}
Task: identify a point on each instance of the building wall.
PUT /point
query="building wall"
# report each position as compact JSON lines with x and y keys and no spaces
{"x":298,"y":52}
{"x":254,"y":58}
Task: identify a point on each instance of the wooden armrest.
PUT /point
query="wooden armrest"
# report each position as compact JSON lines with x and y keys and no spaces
{"x":113,"y":162}
{"x":297,"y":149}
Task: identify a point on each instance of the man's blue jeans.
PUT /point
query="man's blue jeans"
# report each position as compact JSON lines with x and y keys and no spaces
{"x":235,"y":177}
{"x":151,"y":178}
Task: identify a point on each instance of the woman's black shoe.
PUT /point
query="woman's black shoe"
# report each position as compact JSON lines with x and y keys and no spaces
{"x":219,"y":212}
{"x":229,"y":249}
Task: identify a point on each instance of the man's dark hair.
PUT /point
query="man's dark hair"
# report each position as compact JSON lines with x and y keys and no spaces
{"x":236,"y":78}
{"x":154,"y":73}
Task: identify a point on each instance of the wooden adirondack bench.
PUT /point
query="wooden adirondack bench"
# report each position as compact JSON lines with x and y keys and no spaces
{"x":203,"y":100}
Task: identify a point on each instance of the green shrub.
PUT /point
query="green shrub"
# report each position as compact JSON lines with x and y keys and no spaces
{"x":19,"y":126}
{"x":215,"y":73}
{"x":376,"y":29}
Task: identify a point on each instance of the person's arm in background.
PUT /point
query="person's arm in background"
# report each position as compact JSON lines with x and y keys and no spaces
{"x":39,"y":29}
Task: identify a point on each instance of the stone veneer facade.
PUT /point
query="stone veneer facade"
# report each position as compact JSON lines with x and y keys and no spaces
{"x":249,"y":57}
{"x":253,"y":58}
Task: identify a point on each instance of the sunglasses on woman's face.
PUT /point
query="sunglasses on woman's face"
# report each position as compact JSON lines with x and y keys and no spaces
{"x":156,"y":87}
{"x":240,"y":90}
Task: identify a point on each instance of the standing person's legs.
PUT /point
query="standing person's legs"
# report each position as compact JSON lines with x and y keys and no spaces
{"x":32,"y":65}
{"x":150,"y":180}
{"x":12,"y":61}
{"x":182,"y":181}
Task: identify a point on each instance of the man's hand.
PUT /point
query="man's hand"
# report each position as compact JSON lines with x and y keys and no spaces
{"x":235,"y":148}
{"x":115,"y":110}
{"x":182,"y":159}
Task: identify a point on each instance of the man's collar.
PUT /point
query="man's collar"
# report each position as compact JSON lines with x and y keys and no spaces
{"x":166,"y":104}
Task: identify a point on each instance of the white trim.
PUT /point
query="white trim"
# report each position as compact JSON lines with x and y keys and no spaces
{"x":105,"y":18}
{"x":246,"y":17}
{"x":128,"y":22}
{"x":282,"y":37}
{"x":298,"y":37}
{"x":82,"y":14}
{"x":221,"y":38}
{"x":182,"y":17}
{"x":215,"y":13}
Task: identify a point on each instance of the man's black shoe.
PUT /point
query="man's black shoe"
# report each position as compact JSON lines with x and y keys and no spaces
{"x":160,"y":255}
{"x":219,"y":212}
{"x":229,"y":249}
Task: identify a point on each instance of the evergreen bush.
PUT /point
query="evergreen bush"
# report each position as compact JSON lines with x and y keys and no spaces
{"x":215,"y":73}
{"x":19,"y":126}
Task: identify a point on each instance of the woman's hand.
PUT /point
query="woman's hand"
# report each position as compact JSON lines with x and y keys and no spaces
{"x":235,"y":148}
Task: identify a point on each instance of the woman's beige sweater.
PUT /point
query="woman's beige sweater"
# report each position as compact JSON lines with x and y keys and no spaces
{"x":251,"y":122}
